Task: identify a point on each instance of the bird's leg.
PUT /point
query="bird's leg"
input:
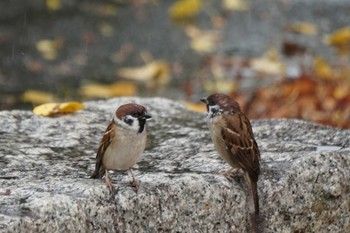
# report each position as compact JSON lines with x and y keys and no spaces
{"x":108,"y":182}
{"x":134,"y":182}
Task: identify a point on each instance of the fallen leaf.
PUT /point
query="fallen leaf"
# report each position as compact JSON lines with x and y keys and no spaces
{"x":49,"y":48}
{"x":70,"y":107}
{"x":267,"y":66}
{"x":290,"y":49}
{"x":323,"y":69}
{"x":305,"y":28}
{"x":106,"y":29}
{"x":37,"y":97}
{"x":185,"y":9}
{"x":340,"y":39}
{"x":341,"y":92}
{"x":196,"y":107}
{"x":203,"y":41}
{"x":53,"y":5}
{"x":223,"y":86}
{"x":157,"y":71}
{"x":108,"y":91}
{"x":54,"y":109}
{"x":236,"y":5}
{"x":299,"y":87}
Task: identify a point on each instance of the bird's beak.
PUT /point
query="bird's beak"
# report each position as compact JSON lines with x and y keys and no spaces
{"x":146,"y":116}
{"x":204,"y":100}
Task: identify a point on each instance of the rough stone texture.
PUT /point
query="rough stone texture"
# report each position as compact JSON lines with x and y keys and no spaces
{"x":45,"y":164}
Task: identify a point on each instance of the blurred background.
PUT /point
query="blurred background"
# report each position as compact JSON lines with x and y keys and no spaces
{"x":278,"y":58}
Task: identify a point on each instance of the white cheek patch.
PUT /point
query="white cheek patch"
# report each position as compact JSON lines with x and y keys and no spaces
{"x":213,"y":110}
{"x":128,"y":122}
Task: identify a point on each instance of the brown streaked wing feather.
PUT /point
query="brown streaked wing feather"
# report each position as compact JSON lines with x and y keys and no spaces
{"x":240,"y":142}
{"x":106,"y":140}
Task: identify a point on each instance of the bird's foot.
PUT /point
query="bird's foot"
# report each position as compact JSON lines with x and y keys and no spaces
{"x":134,"y":182}
{"x":230,"y":173}
{"x":135,"y":185}
{"x":109,"y":183}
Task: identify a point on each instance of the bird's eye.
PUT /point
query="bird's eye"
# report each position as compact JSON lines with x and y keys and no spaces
{"x":134,"y":114}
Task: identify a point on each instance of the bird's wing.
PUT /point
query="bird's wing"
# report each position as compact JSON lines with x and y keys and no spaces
{"x":240,"y":143}
{"x":106,"y":140}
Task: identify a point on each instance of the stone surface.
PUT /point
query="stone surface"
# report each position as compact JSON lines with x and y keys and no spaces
{"x":45,"y":164}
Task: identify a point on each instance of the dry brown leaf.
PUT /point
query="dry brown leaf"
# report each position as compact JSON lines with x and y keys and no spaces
{"x":185,"y":9}
{"x":54,"y":109}
{"x":37,"y":97}
{"x":108,"y":91}
{"x":157,"y":71}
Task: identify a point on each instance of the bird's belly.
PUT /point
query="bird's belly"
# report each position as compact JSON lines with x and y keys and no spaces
{"x":224,"y":154}
{"x":126,"y":154}
{"x":220,"y":145}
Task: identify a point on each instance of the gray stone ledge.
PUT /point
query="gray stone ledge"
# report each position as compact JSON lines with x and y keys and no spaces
{"x":45,"y":164}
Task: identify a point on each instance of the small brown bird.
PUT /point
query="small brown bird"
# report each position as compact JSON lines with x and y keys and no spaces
{"x":233,"y":138}
{"x":123,"y":142}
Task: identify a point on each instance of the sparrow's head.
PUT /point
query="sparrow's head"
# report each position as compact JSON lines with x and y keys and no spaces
{"x":220,"y":103}
{"x":132,"y":116}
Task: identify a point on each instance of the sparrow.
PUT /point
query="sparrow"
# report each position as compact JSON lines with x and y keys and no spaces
{"x":233,"y":138}
{"x":123,"y":143}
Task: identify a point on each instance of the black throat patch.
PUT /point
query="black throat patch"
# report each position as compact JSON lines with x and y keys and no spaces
{"x":142,"y":123}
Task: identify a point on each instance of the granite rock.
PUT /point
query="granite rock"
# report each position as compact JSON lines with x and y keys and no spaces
{"x":45,"y":164}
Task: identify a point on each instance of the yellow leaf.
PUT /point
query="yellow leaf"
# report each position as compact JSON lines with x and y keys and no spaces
{"x":70,"y":107}
{"x":37,"y":97}
{"x":223,"y":86}
{"x":236,"y":5}
{"x":106,"y":29}
{"x":46,"y":109}
{"x":49,"y":48}
{"x":53,"y":5}
{"x":267,"y":66}
{"x":323,"y":69}
{"x":53,"y":109}
{"x":202,"y":41}
{"x":340,"y":39}
{"x":185,"y":9}
{"x":304,"y":28}
{"x":196,"y":107}
{"x":157,"y":71}
{"x":107,"y":91}
{"x":341,"y":92}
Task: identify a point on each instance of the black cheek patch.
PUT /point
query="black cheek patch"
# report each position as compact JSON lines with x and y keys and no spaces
{"x":128,"y":121}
